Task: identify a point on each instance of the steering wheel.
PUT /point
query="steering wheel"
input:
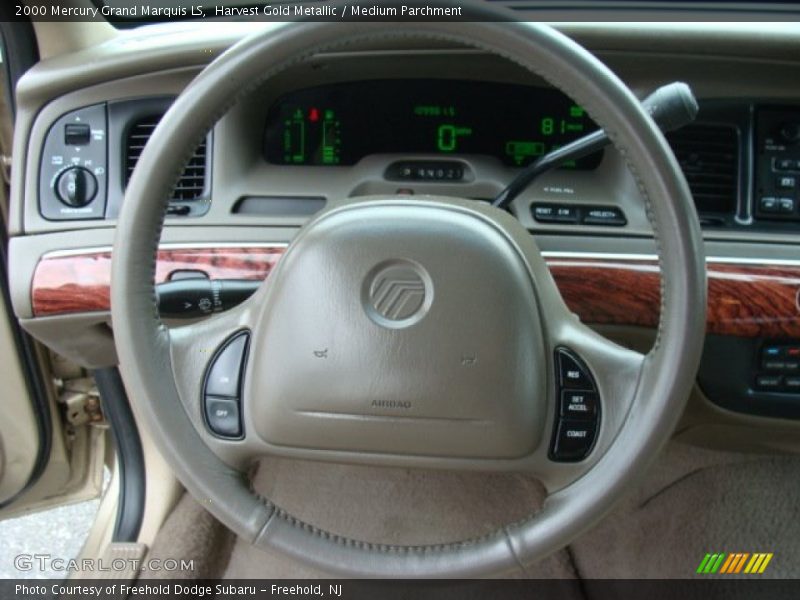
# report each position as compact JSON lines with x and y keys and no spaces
{"x":416,"y":332}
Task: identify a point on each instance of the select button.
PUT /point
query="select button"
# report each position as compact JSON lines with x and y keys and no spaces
{"x":604,"y":215}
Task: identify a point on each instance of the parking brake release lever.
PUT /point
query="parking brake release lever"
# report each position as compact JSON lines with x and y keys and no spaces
{"x":671,"y":106}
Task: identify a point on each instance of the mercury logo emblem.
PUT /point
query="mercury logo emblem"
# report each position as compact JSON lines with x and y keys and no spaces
{"x":397,"y":293}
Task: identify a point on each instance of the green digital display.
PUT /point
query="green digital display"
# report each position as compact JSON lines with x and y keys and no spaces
{"x":342,"y":123}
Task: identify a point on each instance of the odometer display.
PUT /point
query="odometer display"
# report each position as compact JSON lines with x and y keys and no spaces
{"x":340,"y":124}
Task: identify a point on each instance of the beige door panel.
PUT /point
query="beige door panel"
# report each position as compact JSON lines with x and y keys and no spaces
{"x":76,"y":451}
{"x":19,"y":437}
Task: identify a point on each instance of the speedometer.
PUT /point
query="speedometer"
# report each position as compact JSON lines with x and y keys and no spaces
{"x":342,"y":123}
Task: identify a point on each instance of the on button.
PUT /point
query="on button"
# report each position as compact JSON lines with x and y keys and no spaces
{"x":223,"y":378}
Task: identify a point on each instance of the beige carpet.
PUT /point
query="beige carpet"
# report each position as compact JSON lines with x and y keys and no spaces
{"x":191,"y":533}
{"x":395,"y":506}
{"x":692,"y":501}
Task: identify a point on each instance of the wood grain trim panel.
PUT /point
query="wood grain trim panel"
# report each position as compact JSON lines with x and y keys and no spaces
{"x":745,"y":300}
{"x":82,"y":283}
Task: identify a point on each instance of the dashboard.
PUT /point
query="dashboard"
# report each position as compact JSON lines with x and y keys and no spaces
{"x":432,"y":120}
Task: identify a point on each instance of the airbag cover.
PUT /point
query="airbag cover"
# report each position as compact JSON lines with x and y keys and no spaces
{"x":407,"y":328}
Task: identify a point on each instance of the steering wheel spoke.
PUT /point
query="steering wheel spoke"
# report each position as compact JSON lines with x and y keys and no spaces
{"x":594,"y":384}
{"x":208,"y":360}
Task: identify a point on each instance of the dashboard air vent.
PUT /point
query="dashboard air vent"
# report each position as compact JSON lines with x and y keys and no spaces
{"x":191,"y":184}
{"x":709,"y":157}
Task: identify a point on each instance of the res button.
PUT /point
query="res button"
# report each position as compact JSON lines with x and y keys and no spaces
{"x":573,"y":375}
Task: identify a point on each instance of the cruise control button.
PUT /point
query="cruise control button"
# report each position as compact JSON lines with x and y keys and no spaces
{"x":578,"y":405}
{"x":223,"y":378}
{"x":573,"y":440}
{"x":573,"y":376}
{"x":222,"y":415}
{"x":787,"y":182}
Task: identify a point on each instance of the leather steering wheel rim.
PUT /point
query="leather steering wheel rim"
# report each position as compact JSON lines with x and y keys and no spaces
{"x":666,"y":374}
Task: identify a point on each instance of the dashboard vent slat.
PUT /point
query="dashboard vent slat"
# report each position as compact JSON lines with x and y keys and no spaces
{"x":192,"y":182}
{"x":709,"y":157}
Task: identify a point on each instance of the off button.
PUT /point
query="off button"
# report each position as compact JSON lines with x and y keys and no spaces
{"x":222,"y":415}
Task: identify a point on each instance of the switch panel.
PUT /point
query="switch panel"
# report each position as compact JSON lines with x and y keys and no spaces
{"x":578,"y":413}
{"x":752,"y":375}
{"x":578,"y":214}
{"x":222,"y":389}
{"x":778,"y":368}
{"x":74,"y":166}
{"x":777,"y":164}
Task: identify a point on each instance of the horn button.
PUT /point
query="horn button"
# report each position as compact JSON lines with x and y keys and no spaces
{"x":403,"y":328}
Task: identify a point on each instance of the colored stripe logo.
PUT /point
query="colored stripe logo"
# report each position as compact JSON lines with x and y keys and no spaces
{"x":734,"y":563}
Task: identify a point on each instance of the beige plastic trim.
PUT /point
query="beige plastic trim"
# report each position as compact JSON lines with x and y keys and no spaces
{"x":56,"y":38}
{"x":72,"y":475}
{"x":19,"y":437}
